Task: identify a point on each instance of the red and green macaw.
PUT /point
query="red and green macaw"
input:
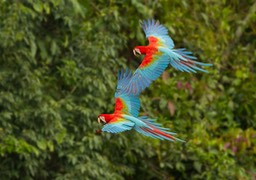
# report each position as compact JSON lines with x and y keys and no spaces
{"x":159,"y":53}
{"x":126,"y":114}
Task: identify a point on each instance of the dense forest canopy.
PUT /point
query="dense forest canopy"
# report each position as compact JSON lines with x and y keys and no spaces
{"x":58,"y":71}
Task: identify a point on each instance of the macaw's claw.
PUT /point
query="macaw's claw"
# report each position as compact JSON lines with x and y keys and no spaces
{"x":98,"y":131}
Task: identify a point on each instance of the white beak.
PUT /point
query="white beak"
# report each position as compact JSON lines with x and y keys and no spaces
{"x":136,"y":51}
{"x":101,"y":119}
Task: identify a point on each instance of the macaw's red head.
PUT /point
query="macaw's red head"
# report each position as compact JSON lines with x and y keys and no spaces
{"x":105,"y":118}
{"x":138,"y":50}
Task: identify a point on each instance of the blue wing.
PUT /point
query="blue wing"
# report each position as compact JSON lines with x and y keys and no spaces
{"x":123,"y":78}
{"x":145,"y":74}
{"x":154,"y":28}
{"x":118,"y":125}
{"x":126,"y":103}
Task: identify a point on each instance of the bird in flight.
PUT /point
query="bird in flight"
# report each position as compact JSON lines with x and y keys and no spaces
{"x":126,"y":114}
{"x":159,"y":53}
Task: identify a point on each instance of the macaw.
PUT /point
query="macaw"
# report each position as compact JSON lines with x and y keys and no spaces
{"x":126,"y":114}
{"x":159,"y":53}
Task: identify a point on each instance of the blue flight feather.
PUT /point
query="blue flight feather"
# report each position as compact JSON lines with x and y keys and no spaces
{"x":118,"y":127}
{"x":143,"y":77}
{"x":154,"y":28}
{"x":132,"y":102}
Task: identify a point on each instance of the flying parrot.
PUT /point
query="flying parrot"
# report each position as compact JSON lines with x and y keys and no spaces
{"x":126,"y":114}
{"x":159,"y":53}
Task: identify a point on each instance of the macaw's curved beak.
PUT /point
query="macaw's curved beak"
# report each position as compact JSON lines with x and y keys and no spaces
{"x":101,"y":119}
{"x":136,"y":52}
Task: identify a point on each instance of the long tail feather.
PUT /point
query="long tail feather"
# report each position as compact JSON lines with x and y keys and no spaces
{"x":155,"y":130}
{"x":183,"y":60}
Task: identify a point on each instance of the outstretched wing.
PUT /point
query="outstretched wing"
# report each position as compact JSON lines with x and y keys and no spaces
{"x":154,"y":30}
{"x":118,"y":125}
{"x":126,"y":103}
{"x":149,"y":70}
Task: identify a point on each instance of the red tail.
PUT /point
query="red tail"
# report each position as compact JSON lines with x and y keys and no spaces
{"x":157,"y":132}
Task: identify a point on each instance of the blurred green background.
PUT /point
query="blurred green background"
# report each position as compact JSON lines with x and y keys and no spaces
{"x":58,"y":69}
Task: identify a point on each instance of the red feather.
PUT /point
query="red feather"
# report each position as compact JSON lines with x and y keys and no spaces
{"x":158,"y":132}
{"x":119,"y":105}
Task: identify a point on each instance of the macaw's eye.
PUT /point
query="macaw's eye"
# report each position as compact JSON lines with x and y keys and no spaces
{"x":136,"y":51}
{"x":101,"y":118}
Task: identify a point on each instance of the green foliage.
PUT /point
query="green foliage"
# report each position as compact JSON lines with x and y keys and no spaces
{"x":59,"y":61}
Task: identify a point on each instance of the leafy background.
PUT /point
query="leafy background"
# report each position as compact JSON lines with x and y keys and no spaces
{"x":58,"y":66}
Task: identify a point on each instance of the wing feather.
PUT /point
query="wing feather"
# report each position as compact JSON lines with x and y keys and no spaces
{"x":126,"y":103}
{"x":147,"y":72}
{"x":118,"y":125}
{"x":155,"y":29}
